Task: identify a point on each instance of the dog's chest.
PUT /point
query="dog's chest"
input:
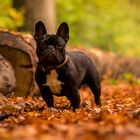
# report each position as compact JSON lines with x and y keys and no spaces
{"x":53,"y":83}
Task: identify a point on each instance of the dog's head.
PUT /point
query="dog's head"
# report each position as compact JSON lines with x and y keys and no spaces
{"x":51,"y":48}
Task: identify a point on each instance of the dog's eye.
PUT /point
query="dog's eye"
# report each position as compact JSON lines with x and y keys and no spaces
{"x":59,"y":47}
{"x":43,"y":46}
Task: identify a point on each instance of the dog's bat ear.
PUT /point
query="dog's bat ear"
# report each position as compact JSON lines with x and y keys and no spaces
{"x":39,"y":29}
{"x":63,"y":31}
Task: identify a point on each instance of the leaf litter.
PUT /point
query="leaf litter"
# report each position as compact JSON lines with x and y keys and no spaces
{"x":28,"y":118}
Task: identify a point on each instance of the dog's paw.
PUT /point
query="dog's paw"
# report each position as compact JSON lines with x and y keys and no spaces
{"x":52,"y":109}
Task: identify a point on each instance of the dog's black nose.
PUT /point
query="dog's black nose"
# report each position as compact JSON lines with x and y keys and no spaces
{"x":51,"y":48}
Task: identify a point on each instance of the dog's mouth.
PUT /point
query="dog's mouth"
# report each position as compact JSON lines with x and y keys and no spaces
{"x":50,"y":60}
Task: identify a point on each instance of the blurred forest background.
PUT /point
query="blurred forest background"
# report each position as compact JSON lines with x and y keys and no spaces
{"x":112,"y":25}
{"x":108,"y":25}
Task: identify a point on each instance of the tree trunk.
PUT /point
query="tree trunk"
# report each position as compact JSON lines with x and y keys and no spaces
{"x":36,"y":10}
{"x":20,"y":52}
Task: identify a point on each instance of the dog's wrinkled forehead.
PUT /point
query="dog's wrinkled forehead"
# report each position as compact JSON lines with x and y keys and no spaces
{"x":51,"y":39}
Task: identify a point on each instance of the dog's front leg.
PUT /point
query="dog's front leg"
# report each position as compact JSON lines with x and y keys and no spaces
{"x":74,"y":98}
{"x":47,"y":96}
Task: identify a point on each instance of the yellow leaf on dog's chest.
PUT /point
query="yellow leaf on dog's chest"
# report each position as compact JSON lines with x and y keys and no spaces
{"x":53,"y":82}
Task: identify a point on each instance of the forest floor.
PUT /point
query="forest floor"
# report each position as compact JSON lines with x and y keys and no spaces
{"x":117,"y":119}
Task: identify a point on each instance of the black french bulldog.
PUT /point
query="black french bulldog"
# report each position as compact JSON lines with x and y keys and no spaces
{"x":62,"y":73}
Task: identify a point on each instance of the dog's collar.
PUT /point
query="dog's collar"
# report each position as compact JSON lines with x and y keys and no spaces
{"x":65,"y":61}
{"x":51,"y":67}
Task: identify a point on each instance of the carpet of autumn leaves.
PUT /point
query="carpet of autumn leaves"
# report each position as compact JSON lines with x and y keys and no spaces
{"x":117,"y":119}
